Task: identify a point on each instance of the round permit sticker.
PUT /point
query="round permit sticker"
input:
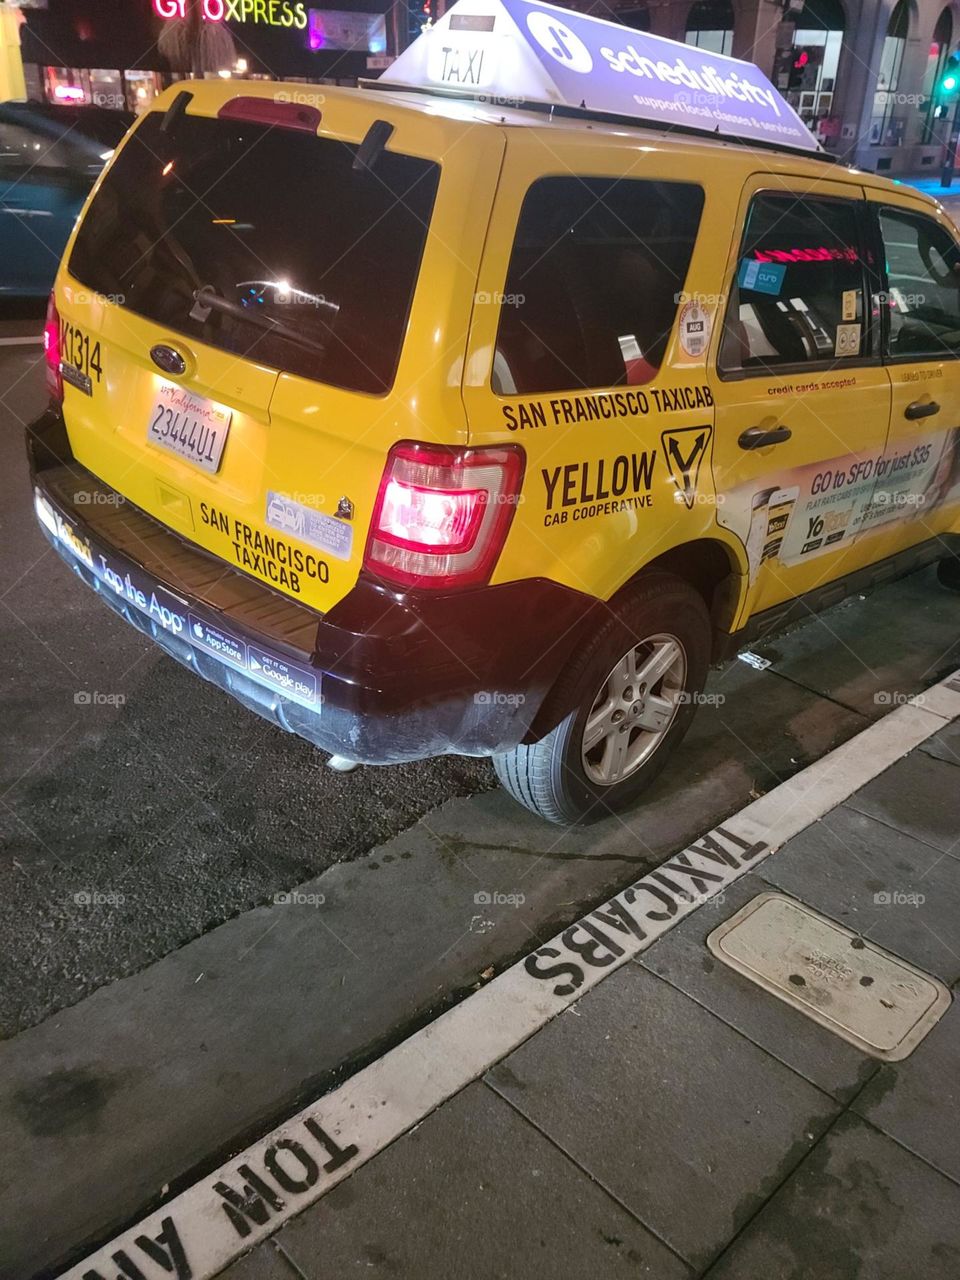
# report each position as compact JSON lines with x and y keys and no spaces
{"x":694,"y":329}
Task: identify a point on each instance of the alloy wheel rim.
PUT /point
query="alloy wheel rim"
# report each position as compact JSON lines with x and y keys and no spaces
{"x":634,"y":709}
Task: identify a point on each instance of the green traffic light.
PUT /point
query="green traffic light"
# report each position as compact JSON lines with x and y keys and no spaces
{"x":949,"y":83}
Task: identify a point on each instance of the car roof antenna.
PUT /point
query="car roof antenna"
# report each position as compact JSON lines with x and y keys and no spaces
{"x":372,"y":146}
{"x":175,"y":110}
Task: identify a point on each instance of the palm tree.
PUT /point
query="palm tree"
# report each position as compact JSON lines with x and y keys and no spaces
{"x":194,"y":45}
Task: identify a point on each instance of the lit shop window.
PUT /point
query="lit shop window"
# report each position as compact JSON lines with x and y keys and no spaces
{"x":67,"y":85}
{"x":141,"y":89}
{"x":106,"y":90}
{"x":887,"y":123}
{"x":710,"y":26}
{"x":809,"y":73}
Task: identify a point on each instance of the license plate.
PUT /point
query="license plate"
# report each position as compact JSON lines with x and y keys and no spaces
{"x":189,"y":425}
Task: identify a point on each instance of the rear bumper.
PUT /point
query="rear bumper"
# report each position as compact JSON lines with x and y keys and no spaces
{"x":385,"y":676}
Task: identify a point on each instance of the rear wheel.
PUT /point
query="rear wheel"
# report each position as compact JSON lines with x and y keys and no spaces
{"x":633,"y":687}
{"x":948,"y":572}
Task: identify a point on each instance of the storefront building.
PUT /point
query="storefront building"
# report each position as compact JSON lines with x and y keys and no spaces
{"x":863,"y":75}
{"x":119,"y":53}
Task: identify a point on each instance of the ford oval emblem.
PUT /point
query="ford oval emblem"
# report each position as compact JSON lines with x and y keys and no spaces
{"x":167,"y":359}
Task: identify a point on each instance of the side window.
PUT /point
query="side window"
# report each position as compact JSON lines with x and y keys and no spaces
{"x":22,"y":150}
{"x":923,"y":274}
{"x":798,"y":296}
{"x":593,"y":284}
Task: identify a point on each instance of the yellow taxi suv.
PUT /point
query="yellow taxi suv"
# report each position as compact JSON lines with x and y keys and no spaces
{"x":482,"y":408}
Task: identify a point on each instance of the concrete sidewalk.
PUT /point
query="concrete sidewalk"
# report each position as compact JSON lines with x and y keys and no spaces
{"x":929,"y":183}
{"x":679,"y":1121}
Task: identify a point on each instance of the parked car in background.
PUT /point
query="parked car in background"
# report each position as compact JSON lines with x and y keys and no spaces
{"x":50,"y":157}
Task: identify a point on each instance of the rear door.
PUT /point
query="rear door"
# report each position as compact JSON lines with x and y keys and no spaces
{"x":588,"y":349}
{"x":240,"y":314}
{"x":803,"y":400}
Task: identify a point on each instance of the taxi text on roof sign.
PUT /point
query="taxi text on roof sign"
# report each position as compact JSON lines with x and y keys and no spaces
{"x":516,"y":51}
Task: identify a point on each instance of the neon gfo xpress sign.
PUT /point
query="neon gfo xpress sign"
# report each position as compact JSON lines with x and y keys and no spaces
{"x":269,"y":13}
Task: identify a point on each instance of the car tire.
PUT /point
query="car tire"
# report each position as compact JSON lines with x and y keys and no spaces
{"x":619,"y":735}
{"x":948,"y":573}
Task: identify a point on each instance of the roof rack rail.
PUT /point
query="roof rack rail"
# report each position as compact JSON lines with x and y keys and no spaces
{"x":606,"y":117}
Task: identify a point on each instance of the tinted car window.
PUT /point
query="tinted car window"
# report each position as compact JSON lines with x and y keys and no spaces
{"x":310,"y":264}
{"x":799,"y":291}
{"x":75,"y":124}
{"x":98,"y":124}
{"x":593,"y":283}
{"x":22,"y":150}
{"x":923,"y":275}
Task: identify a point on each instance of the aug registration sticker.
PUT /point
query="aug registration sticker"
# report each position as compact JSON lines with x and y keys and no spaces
{"x":694,"y":329}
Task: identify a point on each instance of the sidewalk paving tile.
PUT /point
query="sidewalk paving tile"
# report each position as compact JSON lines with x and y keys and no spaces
{"x":918,"y":795}
{"x":685,"y":1121}
{"x":917,"y":1101}
{"x":473,"y":1193}
{"x":683,"y":960}
{"x":945,"y":745}
{"x":859,"y":1207}
{"x":264,"y":1263}
{"x":901,"y":894}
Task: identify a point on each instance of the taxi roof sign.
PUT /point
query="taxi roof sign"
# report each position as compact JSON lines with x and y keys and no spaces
{"x":521,"y":52}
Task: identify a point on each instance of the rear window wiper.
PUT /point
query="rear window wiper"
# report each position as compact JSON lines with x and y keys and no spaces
{"x":176,"y":109}
{"x":206,"y":299}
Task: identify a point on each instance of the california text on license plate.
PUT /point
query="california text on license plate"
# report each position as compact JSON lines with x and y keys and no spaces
{"x":189,"y":425}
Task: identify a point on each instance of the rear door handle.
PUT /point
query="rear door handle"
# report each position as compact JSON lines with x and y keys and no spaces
{"x":760,"y":437}
{"x":921,"y":409}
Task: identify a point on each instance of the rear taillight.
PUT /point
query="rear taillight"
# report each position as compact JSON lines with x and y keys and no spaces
{"x":51,"y":351}
{"x":277,"y":115}
{"x":442,"y":515}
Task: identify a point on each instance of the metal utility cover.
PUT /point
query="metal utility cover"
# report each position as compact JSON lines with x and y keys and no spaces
{"x":874,"y":999}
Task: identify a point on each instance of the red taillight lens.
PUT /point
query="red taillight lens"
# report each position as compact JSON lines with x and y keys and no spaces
{"x":51,"y":351}
{"x":442,"y":515}
{"x":413,"y":517}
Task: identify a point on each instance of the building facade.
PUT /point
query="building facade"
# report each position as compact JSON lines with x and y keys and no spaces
{"x":114,"y":53}
{"x":864,"y":74}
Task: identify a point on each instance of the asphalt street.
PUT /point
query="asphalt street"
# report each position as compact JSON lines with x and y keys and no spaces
{"x":127,"y":782}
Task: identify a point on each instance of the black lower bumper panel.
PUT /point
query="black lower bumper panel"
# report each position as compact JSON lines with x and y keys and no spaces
{"x":383,"y":677}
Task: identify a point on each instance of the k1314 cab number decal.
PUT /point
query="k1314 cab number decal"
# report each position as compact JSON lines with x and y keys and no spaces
{"x":79,"y":358}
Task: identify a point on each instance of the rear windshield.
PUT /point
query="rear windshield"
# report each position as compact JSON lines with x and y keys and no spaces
{"x":300,"y":261}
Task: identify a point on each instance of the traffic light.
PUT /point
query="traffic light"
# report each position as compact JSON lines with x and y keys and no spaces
{"x":804,"y":67}
{"x":950,"y":79}
{"x":798,"y":67}
{"x":949,"y":88}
